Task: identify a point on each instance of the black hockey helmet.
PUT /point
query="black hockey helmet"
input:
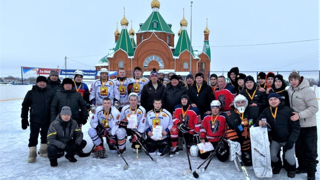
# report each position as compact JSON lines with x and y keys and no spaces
{"x":223,"y":151}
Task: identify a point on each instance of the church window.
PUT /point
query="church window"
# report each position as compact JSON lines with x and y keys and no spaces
{"x":185,"y":65}
{"x":120,"y":64}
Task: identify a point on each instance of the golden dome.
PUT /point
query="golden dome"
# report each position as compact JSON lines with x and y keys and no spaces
{"x":206,"y":31}
{"x":117,"y":33}
{"x":183,"y":22}
{"x":179,"y":32}
{"x":124,"y":21}
{"x":155,"y":4}
{"x":131,"y":32}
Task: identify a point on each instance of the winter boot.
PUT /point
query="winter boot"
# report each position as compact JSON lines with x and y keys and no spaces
{"x":43,"y":150}
{"x":32,"y":154}
{"x":54,"y":162}
{"x":174,"y":151}
{"x":301,"y":170}
{"x":291,"y":171}
{"x":276,"y":167}
{"x":70,"y":158}
{"x":83,"y":154}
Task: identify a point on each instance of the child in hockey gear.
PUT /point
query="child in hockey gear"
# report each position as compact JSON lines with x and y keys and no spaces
{"x":121,"y":89}
{"x":225,"y":93}
{"x":64,"y":135}
{"x":186,"y":122}
{"x":284,"y":133}
{"x":213,"y":129}
{"x":105,"y":123}
{"x":136,"y":114}
{"x":158,"y":120}
{"x":137,"y":82}
{"x":101,"y":88}
{"x":238,"y":124}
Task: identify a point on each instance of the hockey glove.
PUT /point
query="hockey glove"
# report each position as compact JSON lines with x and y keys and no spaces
{"x":183,"y":128}
{"x":123,"y":123}
{"x":101,"y":130}
{"x":112,"y":143}
{"x":116,"y":103}
{"x":289,"y":145}
{"x":24,"y":124}
{"x":136,"y":136}
{"x":93,"y":108}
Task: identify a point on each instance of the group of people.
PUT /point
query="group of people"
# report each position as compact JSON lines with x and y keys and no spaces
{"x":161,"y":114}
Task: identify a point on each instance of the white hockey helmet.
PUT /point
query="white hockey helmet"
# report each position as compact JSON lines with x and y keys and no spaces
{"x":78,"y":72}
{"x":215,"y":103}
{"x":133,"y":94}
{"x":239,"y":98}
{"x":194,"y":150}
{"x":104,"y":70}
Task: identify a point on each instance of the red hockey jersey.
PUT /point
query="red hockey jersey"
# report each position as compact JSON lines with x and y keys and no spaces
{"x":225,"y":96}
{"x":191,"y":118}
{"x":213,"y":127}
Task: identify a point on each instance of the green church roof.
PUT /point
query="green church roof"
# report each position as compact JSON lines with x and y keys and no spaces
{"x":124,"y":43}
{"x":133,"y":43}
{"x":161,"y":26}
{"x":206,"y":49}
{"x":183,"y":44}
{"x":104,"y":59}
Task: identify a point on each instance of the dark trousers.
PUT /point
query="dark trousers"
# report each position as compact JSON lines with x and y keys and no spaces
{"x":159,"y":145}
{"x":53,"y":150}
{"x":306,"y":149}
{"x":35,"y":129}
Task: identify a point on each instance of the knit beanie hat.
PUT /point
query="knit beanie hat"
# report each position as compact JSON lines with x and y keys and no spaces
{"x":248,"y":78}
{"x":261,"y":75}
{"x":185,"y":96}
{"x":270,"y":74}
{"x":278,"y":77}
{"x":67,"y":81}
{"x":42,"y":78}
{"x":174,"y":77}
{"x":189,"y":76}
{"x":276,"y":95}
{"x":294,"y":75}
{"x":199,"y":74}
{"x":154,"y":72}
{"x":65,"y":111}
{"x":54,"y":73}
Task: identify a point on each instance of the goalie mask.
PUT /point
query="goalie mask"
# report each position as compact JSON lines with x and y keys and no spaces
{"x":242,"y":103}
{"x":194,"y":150}
{"x":223,"y":151}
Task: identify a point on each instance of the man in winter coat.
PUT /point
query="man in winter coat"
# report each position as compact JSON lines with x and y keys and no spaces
{"x":284,"y":133}
{"x":172,"y":93}
{"x":200,"y":95}
{"x":64,"y":135}
{"x":54,"y":83}
{"x":303,"y":101}
{"x":232,"y":74}
{"x":38,"y":100}
{"x":71,"y":98}
{"x":153,"y":90}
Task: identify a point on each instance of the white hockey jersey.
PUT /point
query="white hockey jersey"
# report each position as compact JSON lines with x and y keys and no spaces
{"x":109,"y":121}
{"x":141,"y":116}
{"x":121,"y":91}
{"x":164,"y":118}
{"x":101,"y":90}
{"x":138,"y":86}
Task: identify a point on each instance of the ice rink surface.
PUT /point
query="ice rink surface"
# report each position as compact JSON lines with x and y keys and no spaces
{"x":14,"y":159}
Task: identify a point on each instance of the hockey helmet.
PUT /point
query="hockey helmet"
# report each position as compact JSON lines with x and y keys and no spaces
{"x":104,"y":70}
{"x":223,"y":151}
{"x":239,"y":98}
{"x":215,"y":103}
{"x":194,"y":150}
{"x":78,"y":72}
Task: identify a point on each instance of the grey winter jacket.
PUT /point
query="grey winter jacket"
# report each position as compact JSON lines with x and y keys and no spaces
{"x":303,"y":101}
{"x":61,"y":132}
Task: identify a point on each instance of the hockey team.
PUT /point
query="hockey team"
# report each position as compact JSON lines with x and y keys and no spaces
{"x":194,"y":115}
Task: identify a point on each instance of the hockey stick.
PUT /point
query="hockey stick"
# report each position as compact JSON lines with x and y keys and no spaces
{"x":190,"y":167}
{"x":126,"y":166}
{"x":144,"y":149}
{"x":243,"y":168}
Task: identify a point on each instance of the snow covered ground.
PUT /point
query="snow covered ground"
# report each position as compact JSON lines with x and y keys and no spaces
{"x":14,"y":155}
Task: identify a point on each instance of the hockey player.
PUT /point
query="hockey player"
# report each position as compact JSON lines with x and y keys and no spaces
{"x":213,"y":128}
{"x":186,"y":123}
{"x":225,"y":93}
{"x":238,"y":124}
{"x":121,"y":89}
{"x":158,"y":119}
{"x":105,"y":123}
{"x":137,"y":82}
{"x":100,"y":89}
{"x":134,"y":113}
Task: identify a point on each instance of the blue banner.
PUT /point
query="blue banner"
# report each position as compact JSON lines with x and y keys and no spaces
{"x":71,"y":72}
{"x":26,"y":69}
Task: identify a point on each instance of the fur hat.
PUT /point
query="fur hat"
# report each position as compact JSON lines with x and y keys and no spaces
{"x":294,"y":74}
{"x":174,"y":77}
{"x":234,"y":70}
{"x":42,"y":78}
{"x":67,"y":81}
{"x":240,"y":76}
{"x":199,"y":74}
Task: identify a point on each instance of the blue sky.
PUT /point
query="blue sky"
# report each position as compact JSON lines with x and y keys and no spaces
{"x":38,"y":33}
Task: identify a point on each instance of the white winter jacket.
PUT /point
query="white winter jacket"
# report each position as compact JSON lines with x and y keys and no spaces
{"x":303,"y":101}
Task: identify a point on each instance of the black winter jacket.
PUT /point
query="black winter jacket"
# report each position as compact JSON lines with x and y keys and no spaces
{"x":283,"y":93}
{"x":172,"y":96}
{"x":148,"y":94}
{"x":39,"y":102}
{"x":202,"y":100}
{"x":72,"y":99}
{"x":61,"y":132}
{"x":259,"y":98}
{"x":282,"y":128}
{"x":54,"y":86}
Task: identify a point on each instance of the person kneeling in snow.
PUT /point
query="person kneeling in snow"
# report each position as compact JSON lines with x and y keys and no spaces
{"x":105,"y":123}
{"x":159,"y":123}
{"x":64,"y":134}
{"x":213,"y":128}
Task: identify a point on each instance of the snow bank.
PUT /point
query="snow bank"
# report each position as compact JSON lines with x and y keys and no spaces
{"x":13,"y":91}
